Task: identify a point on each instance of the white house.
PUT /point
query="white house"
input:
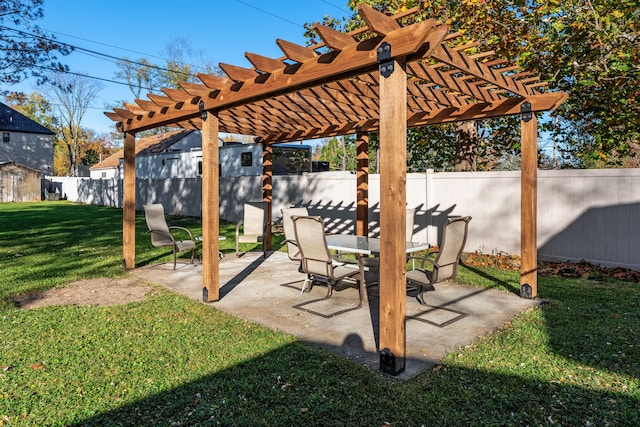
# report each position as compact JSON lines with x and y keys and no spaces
{"x":178,"y":154}
{"x":165,"y":146}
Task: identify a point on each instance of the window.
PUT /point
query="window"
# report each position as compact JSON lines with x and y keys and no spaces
{"x":246,"y":159}
{"x":6,"y":137}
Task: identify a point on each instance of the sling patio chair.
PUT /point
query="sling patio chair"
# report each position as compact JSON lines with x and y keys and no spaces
{"x":317,"y":261}
{"x":293,"y":252}
{"x":445,"y":265}
{"x":254,"y":226}
{"x":161,"y":235}
{"x":289,"y":233}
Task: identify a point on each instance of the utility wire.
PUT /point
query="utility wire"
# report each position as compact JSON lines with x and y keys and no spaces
{"x":106,"y":44}
{"x":78,"y":48}
{"x":335,"y":6}
{"x":270,"y":14}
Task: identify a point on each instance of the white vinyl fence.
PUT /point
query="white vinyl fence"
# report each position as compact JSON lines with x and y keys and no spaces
{"x":582,"y":214}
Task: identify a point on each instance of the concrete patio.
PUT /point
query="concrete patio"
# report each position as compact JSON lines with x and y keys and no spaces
{"x":267,"y":291}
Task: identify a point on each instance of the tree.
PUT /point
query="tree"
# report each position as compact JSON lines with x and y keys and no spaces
{"x":25,"y":50}
{"x":73,"y":95}
{"x":183,"y":61}
{"x":35,"y":107}
{"x":587,"y":48}
{"x":140,"y":76}
{"x":144,"y":77}
{"x":470,"y":18}
{"x":340,"y":152}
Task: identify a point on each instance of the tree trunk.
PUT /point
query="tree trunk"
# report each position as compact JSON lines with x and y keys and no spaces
{"x":466,"y":147}
{"x":71,"y":159}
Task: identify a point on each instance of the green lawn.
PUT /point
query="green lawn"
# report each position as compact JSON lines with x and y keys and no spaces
{"x":170,"y":361}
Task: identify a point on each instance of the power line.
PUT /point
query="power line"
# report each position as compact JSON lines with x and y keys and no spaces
{"x":82,"y":75}
{"x":270,"y":14}
{"x":335,"y":6}
{"x":82,"y":49}
{"x":106,"y":44}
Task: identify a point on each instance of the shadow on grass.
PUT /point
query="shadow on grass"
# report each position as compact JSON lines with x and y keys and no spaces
{"x":298,"y":385}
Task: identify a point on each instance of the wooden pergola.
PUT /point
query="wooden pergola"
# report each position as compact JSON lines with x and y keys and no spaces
{"x":383,"y":78}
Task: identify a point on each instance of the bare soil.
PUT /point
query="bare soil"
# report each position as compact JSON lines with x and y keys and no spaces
{"x":99,"y":292}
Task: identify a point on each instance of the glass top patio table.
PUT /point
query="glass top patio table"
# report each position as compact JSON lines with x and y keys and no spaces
{"x":365,"y":245}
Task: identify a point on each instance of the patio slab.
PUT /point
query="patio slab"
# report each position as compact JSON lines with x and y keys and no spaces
{"x":267,"y":291}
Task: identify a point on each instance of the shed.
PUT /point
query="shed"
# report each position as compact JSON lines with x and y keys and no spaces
{"x":19,"y":183}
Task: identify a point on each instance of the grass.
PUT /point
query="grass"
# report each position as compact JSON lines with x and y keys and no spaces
{"x":172,"y":361}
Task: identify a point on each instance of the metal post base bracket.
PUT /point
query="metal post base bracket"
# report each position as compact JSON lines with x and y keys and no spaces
{"x":389,"y":364}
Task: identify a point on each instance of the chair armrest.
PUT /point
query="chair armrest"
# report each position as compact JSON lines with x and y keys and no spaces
{"x":162,"y":232}
{"x":422,"y":259}
{"x":175,"y":227}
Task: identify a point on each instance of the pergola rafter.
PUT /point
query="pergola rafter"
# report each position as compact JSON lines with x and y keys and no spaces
{"x":391,"y":74}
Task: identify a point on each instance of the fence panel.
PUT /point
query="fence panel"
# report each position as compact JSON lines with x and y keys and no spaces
{"x":582,"y":214}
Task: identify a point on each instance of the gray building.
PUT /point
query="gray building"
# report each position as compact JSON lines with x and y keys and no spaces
{"x":25,"y":142}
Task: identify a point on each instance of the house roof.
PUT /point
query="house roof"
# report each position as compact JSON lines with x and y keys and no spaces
{"x":13,"y":121}
{"x":14,"y":164}
{"x":147,"y":145}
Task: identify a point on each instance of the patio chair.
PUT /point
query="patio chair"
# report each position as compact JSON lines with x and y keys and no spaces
{"x":445,"y":265}
{"x":161,"y":235}
{"x":254,"y":226}
{"x":289,"y":233}
{"x":317,"y":261}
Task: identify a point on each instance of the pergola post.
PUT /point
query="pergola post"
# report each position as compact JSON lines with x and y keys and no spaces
{"x":528,"y":204}
{"x":210,"y":208}
{"x":267,"y":188}
{"x":129,"y":202}
{"x":362,"y":179}
{"x":393,"y":174}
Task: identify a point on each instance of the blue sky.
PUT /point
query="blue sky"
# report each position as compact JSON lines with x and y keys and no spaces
{"x":223,"y":29}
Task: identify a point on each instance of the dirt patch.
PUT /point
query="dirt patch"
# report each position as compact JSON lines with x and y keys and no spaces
{"x":100,"y":292}
{"x":561,"y":269}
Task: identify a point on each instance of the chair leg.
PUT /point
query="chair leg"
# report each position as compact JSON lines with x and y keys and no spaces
{"x":329,"y":290}
{"x":174,"y":257}
{"x":193,"y":255}
{"x":304,"y":285}
{"x":420,"y":296}
{"x":361,"y":283}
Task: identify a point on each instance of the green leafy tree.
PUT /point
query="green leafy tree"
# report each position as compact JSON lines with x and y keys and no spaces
{"x":587,"y":48}
{"x":34,"y":106}
{"x":25,"y":50}
{"x":340,"y":152}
